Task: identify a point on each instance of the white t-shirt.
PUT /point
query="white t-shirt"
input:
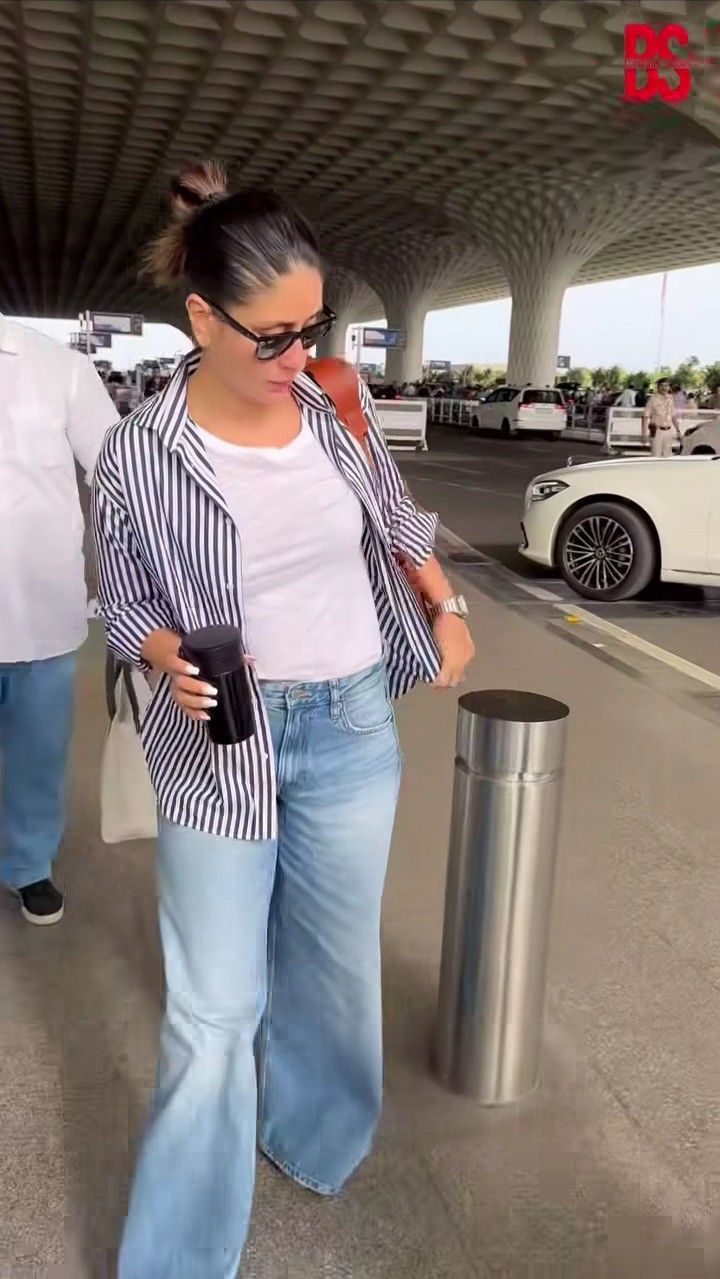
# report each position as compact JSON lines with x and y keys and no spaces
{"x":54,"y":411}
{"x":307,"y":601}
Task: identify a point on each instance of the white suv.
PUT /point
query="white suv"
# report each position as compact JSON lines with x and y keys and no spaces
{"x":511,"y":409}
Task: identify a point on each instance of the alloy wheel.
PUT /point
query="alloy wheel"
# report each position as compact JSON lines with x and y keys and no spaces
{"x":599,"y":553}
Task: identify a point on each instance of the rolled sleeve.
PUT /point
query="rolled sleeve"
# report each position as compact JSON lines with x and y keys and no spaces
{"x":91,"y":413}
{"x":411,"y":530}
{"x":130,"y":602}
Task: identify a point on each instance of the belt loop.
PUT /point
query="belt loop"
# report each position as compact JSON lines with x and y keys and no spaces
{"x":334,"y":699}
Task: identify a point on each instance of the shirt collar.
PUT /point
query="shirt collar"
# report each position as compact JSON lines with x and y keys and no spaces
{"x":167,"y":412}
{"x":8,"y":339}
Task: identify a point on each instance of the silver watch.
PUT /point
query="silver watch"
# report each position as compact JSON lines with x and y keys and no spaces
{"x":456,"y":605}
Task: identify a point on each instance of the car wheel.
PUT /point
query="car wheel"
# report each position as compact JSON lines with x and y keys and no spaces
{"x":506,"y":429}
{"x":703,"y":450}
{"x":606,"y":552}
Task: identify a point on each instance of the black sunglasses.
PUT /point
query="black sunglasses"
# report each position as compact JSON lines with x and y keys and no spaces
{"x":269,"y":348}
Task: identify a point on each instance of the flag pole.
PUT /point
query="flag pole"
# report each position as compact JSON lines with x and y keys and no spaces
{"x":661,"y":336}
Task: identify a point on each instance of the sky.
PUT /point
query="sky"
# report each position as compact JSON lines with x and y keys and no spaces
{"x":602,"y":324}
{"x":617,"y":322}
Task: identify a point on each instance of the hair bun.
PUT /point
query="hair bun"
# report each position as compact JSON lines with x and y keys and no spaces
{"x":203,"y":183}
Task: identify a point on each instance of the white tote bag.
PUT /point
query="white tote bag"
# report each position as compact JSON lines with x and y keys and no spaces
{"x":128,"y":806}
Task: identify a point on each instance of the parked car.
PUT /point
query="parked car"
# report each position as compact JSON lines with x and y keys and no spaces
{"x":512,"y":409}
{"x":704,"y":438}
{"x":612,"y":527}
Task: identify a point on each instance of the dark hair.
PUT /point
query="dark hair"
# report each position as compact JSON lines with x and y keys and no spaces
{"x":227,"y":247}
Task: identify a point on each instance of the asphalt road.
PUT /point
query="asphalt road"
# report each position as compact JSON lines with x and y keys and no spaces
{"x":477,"y":486}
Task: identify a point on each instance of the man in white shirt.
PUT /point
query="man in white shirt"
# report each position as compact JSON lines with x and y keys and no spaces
{"x":54,"y":410}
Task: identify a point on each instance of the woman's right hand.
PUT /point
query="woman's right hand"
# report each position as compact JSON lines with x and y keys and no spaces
{"x":162,"y":651}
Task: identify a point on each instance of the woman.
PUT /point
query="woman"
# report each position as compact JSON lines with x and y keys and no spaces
{"x":236,"y":496}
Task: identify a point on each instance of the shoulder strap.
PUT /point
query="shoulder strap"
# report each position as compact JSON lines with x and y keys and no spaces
{"x":339,"y":381}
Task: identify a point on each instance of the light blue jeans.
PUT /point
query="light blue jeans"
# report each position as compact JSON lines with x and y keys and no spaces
{"x":36,"y":714}
{"x":273,"y":1024}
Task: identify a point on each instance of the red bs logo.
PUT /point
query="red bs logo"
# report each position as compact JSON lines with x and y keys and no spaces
{"x":649,"y":57}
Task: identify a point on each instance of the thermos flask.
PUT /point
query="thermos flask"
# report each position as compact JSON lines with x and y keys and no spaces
{"x":218,"y":653}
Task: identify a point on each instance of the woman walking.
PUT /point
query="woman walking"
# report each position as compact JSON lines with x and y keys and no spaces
{"x":237,"y":497}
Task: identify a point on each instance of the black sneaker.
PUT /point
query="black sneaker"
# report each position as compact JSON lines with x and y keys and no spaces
{"x":42,"y":903}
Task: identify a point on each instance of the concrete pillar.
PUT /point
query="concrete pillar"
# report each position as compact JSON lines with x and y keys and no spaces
{"x":543,"y":241}
{"x":537,"y":298}
{"x":335,"y":342}
{"x":406,"y":311}
{"x":407,"y":271}
{"x":351,"y":298}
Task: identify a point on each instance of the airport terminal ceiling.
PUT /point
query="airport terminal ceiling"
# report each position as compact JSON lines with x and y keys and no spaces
{"x":410,"y":130}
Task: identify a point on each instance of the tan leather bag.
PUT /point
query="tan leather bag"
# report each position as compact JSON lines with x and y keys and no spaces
{"x":339,"y":381}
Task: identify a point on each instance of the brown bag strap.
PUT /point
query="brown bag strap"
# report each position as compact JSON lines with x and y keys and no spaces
{"x":339,"y":381}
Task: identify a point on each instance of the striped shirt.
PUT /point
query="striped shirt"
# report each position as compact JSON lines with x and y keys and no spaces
{"x":170,"y":555}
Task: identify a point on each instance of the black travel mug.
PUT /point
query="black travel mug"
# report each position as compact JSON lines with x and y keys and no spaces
{"x":218,"y":652}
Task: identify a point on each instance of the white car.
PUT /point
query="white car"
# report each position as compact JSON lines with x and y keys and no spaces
{"x":511,"y":409}
{"x":612,"y":527}
{"x":704,"y":438}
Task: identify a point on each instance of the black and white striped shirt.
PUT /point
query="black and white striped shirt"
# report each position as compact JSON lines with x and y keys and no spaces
{"x":170,"y":555}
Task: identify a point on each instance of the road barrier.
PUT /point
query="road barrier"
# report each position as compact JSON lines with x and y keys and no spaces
{"x":624,"y":433}
{"x":448,"y":411}
{"x":618,"y":429}
{"x":404,"y":422}
{"x":587,"y":423}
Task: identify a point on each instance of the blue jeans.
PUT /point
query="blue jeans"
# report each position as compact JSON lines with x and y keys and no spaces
{"x":273,"y":1024}
{"x":36,"y":713}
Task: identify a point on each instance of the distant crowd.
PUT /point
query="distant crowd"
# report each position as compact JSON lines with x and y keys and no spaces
{"x":425,"y":390}
{"x":637,"y":397}
{"x":128,"y":390}
{"x":575,"y":396}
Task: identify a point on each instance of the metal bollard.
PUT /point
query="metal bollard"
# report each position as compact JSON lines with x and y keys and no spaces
{"x":506,"y":809}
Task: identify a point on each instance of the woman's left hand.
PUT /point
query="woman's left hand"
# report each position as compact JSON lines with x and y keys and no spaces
{"x":456,"y":649}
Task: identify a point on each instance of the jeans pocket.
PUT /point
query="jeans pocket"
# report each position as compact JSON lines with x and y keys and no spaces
{"x":366,"y":706}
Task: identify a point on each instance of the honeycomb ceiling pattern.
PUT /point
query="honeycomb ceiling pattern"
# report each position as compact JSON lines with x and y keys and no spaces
{"x":414,"y":132}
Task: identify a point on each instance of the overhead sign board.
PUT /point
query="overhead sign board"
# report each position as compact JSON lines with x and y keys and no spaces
{"x":384,"y":337}
{"x":108,"y":322}
{"x":563,"y":362}
{"x":440,"y":366}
